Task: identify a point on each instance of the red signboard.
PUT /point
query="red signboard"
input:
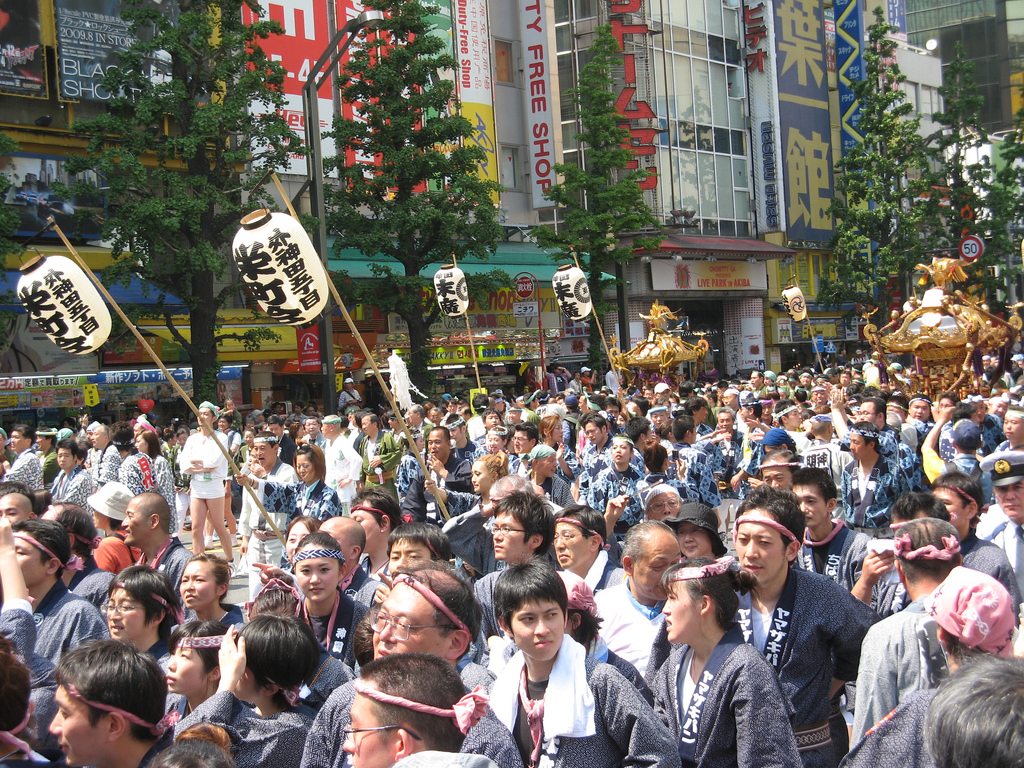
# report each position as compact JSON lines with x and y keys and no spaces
{"x":526,"y":284}
{"x":308,"y":343}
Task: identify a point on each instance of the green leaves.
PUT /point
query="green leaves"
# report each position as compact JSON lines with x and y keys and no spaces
{"x":421,"y":199}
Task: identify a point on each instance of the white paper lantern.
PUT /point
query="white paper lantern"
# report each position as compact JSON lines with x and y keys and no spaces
{"x":281,"y":268}
{"x":572,"y":292}
{"x":793,"y":298}
{"x":452,"y":290}
{"x":64,"y":303}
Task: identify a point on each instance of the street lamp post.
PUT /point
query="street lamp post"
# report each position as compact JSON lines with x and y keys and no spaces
{"x":318,"y":75}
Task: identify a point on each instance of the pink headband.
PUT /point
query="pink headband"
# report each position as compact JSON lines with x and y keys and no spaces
{"x":166,"y":722}
{"x":430,"y":596}
{"x":210,"y":641}
{"x":276,"y":584}
{"x":903,"y":547}
{"x":8,"y":737}
{"x":91,"y":543}
{"x":581,"y":596}
{"x":74,"y":564}
{"x":466,"y":712}
{"x":579,"y":525}
{"x":717,"y":568}
{"x":976,"y":609}
{"x":763,"y":519}
{"x":176,"y":613}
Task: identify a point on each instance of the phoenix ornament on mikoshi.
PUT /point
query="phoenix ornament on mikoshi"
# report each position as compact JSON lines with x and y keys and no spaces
{"x":947,"y":332}
{"x":660,"y":352}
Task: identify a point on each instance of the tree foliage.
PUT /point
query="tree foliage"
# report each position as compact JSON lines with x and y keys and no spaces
{"x":191,"y":126}
{"x":8,"y":216}
{"x":968,"y":198}
{"x":904,"y":198}
{"x":600,"y":199}
{"x":423,"y":199}
{"x":878,"y":220}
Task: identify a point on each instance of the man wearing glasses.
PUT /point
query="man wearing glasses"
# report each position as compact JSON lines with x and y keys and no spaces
{"x":429,"y":611}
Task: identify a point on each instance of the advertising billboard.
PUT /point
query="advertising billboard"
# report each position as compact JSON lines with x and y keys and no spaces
{"x":22,"y":60}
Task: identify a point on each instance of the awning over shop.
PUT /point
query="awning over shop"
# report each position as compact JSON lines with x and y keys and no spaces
{"x":136,"y":292}
{"x":513,"y":258}
{"x":724,"y":247}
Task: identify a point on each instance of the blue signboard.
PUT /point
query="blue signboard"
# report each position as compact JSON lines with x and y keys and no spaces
{"x":156,"y":376}
{"x":850,"y":63}
{"x":805,"y":125}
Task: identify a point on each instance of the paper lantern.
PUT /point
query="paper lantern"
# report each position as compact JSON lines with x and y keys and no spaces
{"x":281,"y":268}
{"x":452,"y":290}
{"x":793,"y":299}
{"x":64,"y":303}
{"x":572,"y":292}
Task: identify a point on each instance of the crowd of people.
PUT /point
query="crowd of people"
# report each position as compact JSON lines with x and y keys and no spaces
{"x":796,"y":569}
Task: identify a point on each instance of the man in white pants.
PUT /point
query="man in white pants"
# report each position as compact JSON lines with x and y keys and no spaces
{"x":259,"y":542}
{"x":343,"y":462}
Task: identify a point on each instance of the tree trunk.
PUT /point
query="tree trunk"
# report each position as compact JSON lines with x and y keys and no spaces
{"x":203,"y":349}
{"x":419,"y":350}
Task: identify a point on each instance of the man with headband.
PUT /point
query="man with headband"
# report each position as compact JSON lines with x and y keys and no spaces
{"x":429,"y":611}
{"x":259,"y":542}
{"x":808,"y":627}
{"x":901,"y":654}
{"x":463,"y":448}
{"x":581,"y":548}
{"x":870,"y":483}
{"x":111,"y":706}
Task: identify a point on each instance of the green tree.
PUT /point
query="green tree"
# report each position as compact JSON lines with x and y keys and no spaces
{"x":423,"y":200}
{"x":968,"y":198}
{"x":191,"y":126}
{"x":8,"y":216}
{"x":600,"y":200}
{"x":877,"y":231}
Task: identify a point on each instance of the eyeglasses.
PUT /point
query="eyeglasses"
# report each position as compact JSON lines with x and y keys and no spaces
{"x":347,"y":732}
{"x":122,"y":608}
{"x":400,"y":628}
{"x":504,"y":530}
{"x":567,"y":537}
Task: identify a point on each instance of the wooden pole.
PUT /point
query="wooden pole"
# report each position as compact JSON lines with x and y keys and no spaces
{"x":373,"y":364}
{"x":600,"y":330}
{"x":469,"y":333}
{"x":156,"y":359}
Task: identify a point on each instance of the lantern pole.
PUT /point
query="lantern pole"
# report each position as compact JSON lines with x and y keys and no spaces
{"x":469,"y":333}
{"x":373,"y":363}
{"x":600,"y":328}
{"x":156,"y":359}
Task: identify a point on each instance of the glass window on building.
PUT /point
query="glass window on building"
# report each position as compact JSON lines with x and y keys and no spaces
{"x":697,"y":14}
{"x":503,"y":68}
{"x":509,"y":167}
{"x":713,"y":10}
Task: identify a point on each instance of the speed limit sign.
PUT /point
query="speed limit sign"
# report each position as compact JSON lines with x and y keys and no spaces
{"x":971,"y":247}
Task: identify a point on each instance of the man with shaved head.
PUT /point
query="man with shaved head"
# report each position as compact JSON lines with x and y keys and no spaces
{"x":147,"y":525}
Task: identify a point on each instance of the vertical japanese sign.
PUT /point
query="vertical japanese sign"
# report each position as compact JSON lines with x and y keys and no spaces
{"x":306,"y":35}
{"x":22,"y":61}
{"x":537,"y":26}
{"x":850,"y":58}
{"x":896,"y":14}
{"x":634,"y":110}
{"x":758,"y":33}
{"x":476,"y":88}
{"x":806,"y":128}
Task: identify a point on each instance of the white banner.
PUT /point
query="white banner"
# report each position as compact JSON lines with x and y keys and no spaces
{"x":536,"y":19}
{"x":701,"y":275}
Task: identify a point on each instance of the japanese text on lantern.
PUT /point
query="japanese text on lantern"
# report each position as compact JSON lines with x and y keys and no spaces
{"x":52,"y":301}
{"x":641,"y":139}
{"x":806,"y":126}
{"x":266,"y":273}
